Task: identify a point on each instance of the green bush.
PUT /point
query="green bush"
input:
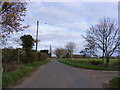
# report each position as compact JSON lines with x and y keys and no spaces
{"x":9,"y":55}
{"x":29,"y":57}
{"x":79,"y":61}
{"x":96,"y":62}
{"x":9,"y":66}
{"x":115,"y":83}
{"x":9,"y":59}
{"x":42,"y":56}
{"x":117,"y":63}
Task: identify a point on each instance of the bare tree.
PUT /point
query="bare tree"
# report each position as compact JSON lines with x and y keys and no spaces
{"x":90,"y":47}
{"x":70,"y":47}
{"x":118,"y":48}
{"x":106,"y":37}
{"x":17,"y":41}
{"x":60,"y":52}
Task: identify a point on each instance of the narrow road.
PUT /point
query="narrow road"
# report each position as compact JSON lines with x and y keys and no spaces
{"x":59,"y":75}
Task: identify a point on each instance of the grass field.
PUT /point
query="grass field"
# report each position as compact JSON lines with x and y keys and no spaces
{"x":115,"y":83}
{"x":9,"y":78}
{"x":112,"y":61}
{"x":88,"y":65}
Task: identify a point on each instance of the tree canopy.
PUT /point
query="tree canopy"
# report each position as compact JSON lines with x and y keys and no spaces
{"x":60,"y":52}
{"x":70,"y":46}
{"x":12,"y":14}
{"x":27,"y":42}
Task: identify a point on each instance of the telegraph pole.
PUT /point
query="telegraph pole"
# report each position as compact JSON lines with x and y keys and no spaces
{"x":50,"y":51}
{"x":37,"y":36}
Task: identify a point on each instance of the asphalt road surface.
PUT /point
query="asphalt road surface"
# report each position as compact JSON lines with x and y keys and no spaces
{"x":58,"y":75}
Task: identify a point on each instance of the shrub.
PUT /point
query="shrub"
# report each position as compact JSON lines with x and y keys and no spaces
{"x":9,"y":59}
{"x":9,"y":66}
{"x":42,"y":56}
{"x":96,"y":62}
{"x":117,"y":63}
{"x":79,"y":61}
{"x":9,"y":55}
{"x":115,"y":83}
{"x":29,"y":57}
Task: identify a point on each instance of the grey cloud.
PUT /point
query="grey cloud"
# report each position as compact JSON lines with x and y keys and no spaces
{"x":65,"y":21}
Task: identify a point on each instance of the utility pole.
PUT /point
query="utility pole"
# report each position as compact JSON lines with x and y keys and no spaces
{"x":37,"y":36}
{"x":50,"y":51}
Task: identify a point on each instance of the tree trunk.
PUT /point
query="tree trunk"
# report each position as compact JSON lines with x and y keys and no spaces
{"x":107,"y":61}
{"x":103,"y":58}
{"x":67,"y":56}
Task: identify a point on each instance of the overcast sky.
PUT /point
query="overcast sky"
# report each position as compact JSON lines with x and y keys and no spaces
{"x":65,"y":21}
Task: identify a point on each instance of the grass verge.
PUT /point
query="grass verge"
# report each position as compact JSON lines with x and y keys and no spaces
{"x":9,"y":78}
{"x":115,"y":83}
{"x":87,"y":65}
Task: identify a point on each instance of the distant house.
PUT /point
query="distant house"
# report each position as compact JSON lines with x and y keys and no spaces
{"x":79,"y":56}
{"x":115,"y":57}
